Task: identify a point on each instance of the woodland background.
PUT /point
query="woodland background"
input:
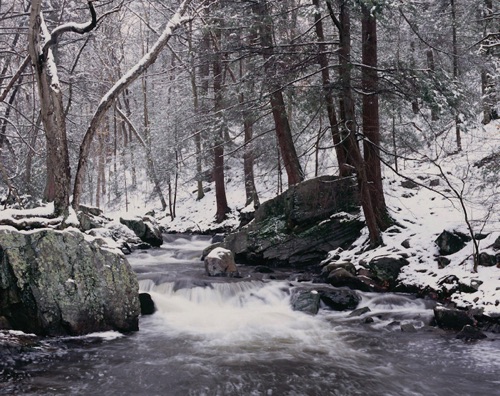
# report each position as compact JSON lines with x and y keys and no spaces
{"x":276,"y":91}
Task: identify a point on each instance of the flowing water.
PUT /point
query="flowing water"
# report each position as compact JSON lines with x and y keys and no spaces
{"x":240,"y":337}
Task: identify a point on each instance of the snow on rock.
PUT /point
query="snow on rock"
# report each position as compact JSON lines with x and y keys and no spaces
{"x":220,"y":262}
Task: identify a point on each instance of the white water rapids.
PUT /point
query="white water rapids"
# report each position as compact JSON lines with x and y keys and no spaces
{"x":212,"y":336}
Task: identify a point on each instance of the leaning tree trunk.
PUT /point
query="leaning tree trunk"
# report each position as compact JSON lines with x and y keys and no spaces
{"x":52,"y":112}
{"x":121,"y":85}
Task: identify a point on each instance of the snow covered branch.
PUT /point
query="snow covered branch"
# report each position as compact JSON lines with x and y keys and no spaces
{"x":80,"y":28}
{"x":176,"y":21}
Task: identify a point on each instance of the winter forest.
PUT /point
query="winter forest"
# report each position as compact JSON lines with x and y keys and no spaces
{"x":196,"y":112}
{"x":277,"y":88}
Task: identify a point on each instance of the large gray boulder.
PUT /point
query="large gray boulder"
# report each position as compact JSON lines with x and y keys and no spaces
{"x":65,"y":283}
{"x":145,"y":228}
{"x":299,"y":227}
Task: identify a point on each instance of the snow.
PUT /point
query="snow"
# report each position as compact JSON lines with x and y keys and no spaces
{"x":218,"y":252}
{"x":42,"y":211}
{"x":422,"y":214}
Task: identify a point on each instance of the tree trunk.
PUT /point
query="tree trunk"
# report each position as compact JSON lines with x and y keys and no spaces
{"x":52,"y":112}
{"x":30,"y":156}
{"x":218,"y":150}
{"x":198,"y":111}
{"x":347,"y":113}
{"x":371,"y":123}
{"x":455,"y":67}
{"x":281,"y":122}
{"x":432,"y":68}
{"x":149,"y":155}
{"x":354,"y":157}
{"x":488,"y":85}
{"x":328,"y":95}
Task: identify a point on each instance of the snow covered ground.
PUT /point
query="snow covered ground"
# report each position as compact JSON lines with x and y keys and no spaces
{"x":422,"y":212}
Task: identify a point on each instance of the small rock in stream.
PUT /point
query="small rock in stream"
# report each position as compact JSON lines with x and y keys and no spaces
{"x":469,"y":333}
{"x":359,"y":312}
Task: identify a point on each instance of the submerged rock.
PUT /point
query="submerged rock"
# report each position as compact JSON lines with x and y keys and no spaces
{"x":359,"y":312}
{"x":220,"y":262}
{"x":305,"y":300}
{"x":59,"y":283}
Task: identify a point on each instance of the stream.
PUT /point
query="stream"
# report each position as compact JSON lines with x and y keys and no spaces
{"x":214,"y":336}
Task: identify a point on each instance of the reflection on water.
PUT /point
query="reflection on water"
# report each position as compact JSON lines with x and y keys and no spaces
{"x":242,"y":338}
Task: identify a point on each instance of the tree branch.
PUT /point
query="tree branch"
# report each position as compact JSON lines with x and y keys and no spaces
{"x":14,"y":78}
{"x":108,"y":99}
{"x":80,"y":28}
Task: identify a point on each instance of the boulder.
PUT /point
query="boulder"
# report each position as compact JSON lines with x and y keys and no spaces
{"x":443,"y":262}
{"x":147,"y":304}
{"x":339,"y":299}
{"x":305,"y":300}
{"x":470,"y":333}
{"x":451,"y":318}
{"x":496,"y":244}
{"x":451,"y":242}
{"x":145,"y":228}
{"x":299,"y":227}
{"x":91,"y":218}
{"x":220,"y":262}
{"x":487,"y":260}
{"x":387,"y":269}
{"x":61,"y":283}
{"x":347,"y":265}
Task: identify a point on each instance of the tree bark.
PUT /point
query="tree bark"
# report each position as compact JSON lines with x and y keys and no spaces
{"x":455,"y":67}
{"x":328,"y":94}
{"x":281,"y":122}
{"x":488,"y":85}
{"x":52,"y":112}
{"x":371,"y":119}
{"x":354,"y":158}
{"x":218,"y":149}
